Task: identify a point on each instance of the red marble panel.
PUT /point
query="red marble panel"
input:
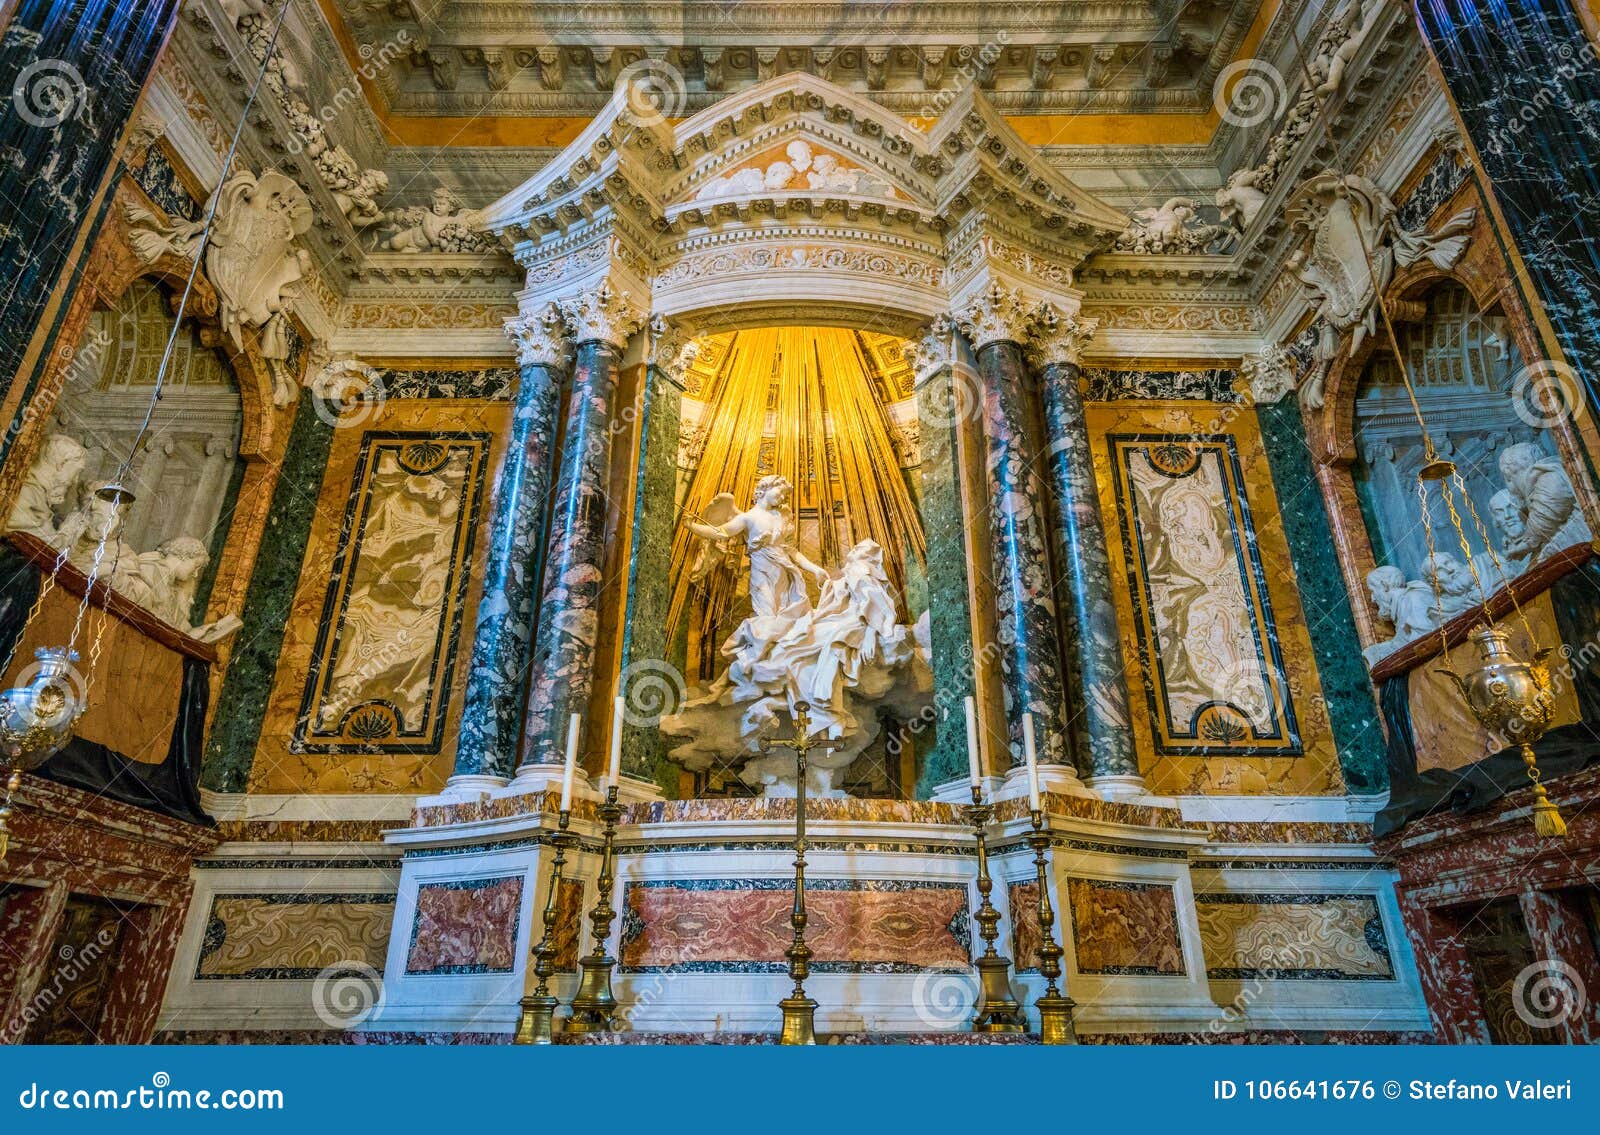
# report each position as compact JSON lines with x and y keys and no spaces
{"x":1025,"y":937}
{"x":465,"y":926}
{"x":724,"y":926}
{"x":1125,"y":928}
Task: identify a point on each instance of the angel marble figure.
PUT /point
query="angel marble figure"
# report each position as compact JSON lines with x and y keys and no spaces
{"x":777,"y":585}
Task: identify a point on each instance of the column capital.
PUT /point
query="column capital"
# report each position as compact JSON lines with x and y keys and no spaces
{"x":933,"y":350}
{"x":673,"y":348}
{"x":1270,"y":373}
{"x":603,"y":312}
{"x":1057,"y":338}
{"x":541,"y":337}
{"x":995,"y":315}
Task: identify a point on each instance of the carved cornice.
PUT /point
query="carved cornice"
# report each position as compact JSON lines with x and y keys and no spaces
{"x":541,"y":337}
{"x":1058,"y":339}
{"x":604,"y":313}
{"x":998,"y":314}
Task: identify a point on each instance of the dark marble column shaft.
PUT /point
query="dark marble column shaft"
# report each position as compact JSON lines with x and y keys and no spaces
{"x":1526,"y":81}
{"x":1029,"y":646}
{"x":1102,"y":728}
{"x":568,"y":618}
{"x":497,"y":685}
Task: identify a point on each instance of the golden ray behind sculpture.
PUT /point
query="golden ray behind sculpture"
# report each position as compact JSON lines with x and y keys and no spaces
{"x":805,"y":403}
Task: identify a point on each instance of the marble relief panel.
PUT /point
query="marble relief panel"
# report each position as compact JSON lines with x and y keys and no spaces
{"x":1204,"y":622}
{"x":1125,"y":929}
{"x":1294,"y":937}
{"x":1213,"y":633}
{"x":265,"y":937}
{"x":369,"y":679}
{"x":742,"y":926}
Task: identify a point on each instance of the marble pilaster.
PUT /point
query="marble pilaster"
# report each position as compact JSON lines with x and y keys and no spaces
{"x":497,"y":681}
{"x":602,"y":320}
{"x":997,"y":323}
{"x":1102,"y":728}
{"x":651,"y":682}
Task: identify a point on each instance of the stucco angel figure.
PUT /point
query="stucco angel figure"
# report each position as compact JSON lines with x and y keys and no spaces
{"x":1173,"y":227}
{"x":1355,"y":244}
{"x":446,"y":225}
{"x":1241,"y":198}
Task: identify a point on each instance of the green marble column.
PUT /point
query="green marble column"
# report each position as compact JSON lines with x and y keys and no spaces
{"x":652,"y":682}
{"x":943,"y":402}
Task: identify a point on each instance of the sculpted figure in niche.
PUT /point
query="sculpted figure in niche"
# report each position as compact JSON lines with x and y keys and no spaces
{"x":1507,"y":518}
{"x":1545,"y":502}
{"x":840,"y":656}
{"x":1408,"y":605}
{"x":50,"y":483}
{"x":95,"y":520}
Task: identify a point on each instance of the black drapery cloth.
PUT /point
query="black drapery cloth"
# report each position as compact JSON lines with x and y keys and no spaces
{"x":171,"y":788}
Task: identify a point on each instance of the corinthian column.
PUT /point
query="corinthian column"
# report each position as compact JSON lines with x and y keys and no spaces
{"x":1089,"y":620}
{"x":602,"y":320}
{"x":491,"y":716}
{"x":997,"y":323}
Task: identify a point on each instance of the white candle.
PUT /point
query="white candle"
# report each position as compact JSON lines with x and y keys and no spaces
{"x":1033,"y":761}
{"x":614,"y":772}
{"x":973,"y":760}
{"x":572,"y":763}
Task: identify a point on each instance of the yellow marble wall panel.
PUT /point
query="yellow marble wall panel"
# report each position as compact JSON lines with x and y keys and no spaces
{"x":293,"y":936}
{"x":1315,"y":770}
{"x":1443,"y":729}
{"x":411,"y":525}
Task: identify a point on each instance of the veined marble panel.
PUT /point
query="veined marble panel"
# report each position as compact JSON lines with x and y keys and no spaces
{"x":370,"y":676}
{"x":1213,"y":630}
{"x":742,"y":926}
{"x":1294,"y":937}
{"x":255,"y":937}
{"x":1125,"y":929}
{"x":465,"y":926}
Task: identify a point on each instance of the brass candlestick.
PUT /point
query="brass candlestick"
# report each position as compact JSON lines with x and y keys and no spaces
{"x":798,"y":1009}
{"x":537,"y":1023}
{"x":1055,"y":1011}
{"x":998,"y":1010}
{"x":594,"y":1008}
